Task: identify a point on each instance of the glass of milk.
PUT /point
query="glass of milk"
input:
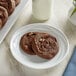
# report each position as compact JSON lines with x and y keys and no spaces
{"x":41,"y":9}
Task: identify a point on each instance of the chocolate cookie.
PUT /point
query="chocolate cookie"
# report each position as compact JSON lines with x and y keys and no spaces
{"x":3,"y":16}
{"x":45,"y":46}
{"x":17,"y":2}
{"x":11,"y":6}
{"x":25,"y":42}
{"x":8,"y":4}
{"x":0,"y":23}
{"x":4,"y":3}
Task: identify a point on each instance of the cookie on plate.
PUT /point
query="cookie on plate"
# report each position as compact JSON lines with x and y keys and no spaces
{"x":45,"y":45}
{"x":4,"y":3}
{"x":26,"y":42}
{"x":3,"y":16}
{"x":17,"y":2}
{"x":9,"y":5}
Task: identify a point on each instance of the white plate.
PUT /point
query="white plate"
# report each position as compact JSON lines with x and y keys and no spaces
{"x":72,"y":19}
{"x":11,"y":20}
{"x":35,"y":61}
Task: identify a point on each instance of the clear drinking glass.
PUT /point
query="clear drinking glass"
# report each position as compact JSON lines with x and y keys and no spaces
{"x":41,"y":9}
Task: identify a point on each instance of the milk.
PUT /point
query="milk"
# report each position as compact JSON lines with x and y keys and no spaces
{"x":41,"y":9}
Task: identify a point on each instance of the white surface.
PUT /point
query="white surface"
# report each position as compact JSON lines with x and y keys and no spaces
{"x":10,"y":67}
{"x":36,"y":62}
{"x":72,"y":18}
{"x":11,"y":20}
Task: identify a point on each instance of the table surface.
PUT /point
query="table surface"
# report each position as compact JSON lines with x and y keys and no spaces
{"x":10,"y":67}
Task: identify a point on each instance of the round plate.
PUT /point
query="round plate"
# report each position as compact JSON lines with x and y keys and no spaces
{"x":34,"y":61}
